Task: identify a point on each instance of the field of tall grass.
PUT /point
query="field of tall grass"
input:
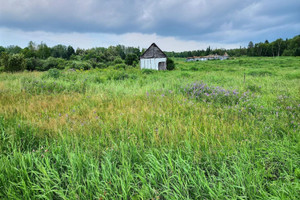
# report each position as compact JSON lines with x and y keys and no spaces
{"x":207,"y":130}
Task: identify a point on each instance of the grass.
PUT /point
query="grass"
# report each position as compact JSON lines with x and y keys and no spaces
{"x":132,"y":134}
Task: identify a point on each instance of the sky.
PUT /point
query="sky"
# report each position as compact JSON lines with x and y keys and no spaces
{"x":174,"y":25}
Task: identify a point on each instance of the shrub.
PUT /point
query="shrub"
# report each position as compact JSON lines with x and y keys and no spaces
{"x":101,"y":65}
{"x":54,"y":73}
{"x":118,"y":60}
{"x":120,"y":66}
{"x":130,"y":58}
{"x":51,"y":62}
{"x":80,"y":65}
{"x":170,"y":64}
{"x":33,"y":63}
{"x":99,"y":79}
{"x":15,"y":62}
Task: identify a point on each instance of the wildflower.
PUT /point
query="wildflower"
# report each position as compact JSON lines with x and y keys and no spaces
{"x":162,"y":95}
{"x":59,"y":114}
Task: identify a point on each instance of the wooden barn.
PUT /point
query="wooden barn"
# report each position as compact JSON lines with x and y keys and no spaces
{"x":153,"y":58}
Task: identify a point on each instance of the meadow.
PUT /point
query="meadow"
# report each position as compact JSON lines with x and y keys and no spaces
{"x":206,"y":130}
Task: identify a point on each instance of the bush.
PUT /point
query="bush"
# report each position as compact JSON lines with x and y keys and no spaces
{"x":120,"y":66}
{"x":130,"y":58}
{"x":80,"y":65}
{"x":100,"y":65}
{"x":33,"y":64}
{"x":54,"y":73}
{"x":15,"y":62}
{"x":118,"y":60}
{"x":51,"y":62}
{"x":170,"y":64}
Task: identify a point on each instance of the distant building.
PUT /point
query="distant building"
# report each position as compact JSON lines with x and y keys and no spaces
{"x":209,"y":57}
{"x":153,"y":58}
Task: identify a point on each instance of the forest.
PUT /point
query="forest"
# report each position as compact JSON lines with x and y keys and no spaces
{"x":279,"y":47}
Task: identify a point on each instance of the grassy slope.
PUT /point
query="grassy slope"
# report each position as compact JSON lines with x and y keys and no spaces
{"x":89,"y":135}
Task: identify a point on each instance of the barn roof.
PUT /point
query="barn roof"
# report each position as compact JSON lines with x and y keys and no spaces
{"x":153,"y":52}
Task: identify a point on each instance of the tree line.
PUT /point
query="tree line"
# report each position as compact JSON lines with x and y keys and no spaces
{"x":41,"y":57}
{"x":279,"y":47}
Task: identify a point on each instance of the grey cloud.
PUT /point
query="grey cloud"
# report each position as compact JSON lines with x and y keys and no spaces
{"x":191,"y":19}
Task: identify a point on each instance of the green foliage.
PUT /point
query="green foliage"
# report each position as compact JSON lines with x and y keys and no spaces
{"x":79,"y":65}
{"x":130,"y":58}
{"x":33,"y":64}
{"x":148,"y":71}
{"x":2,"y":49}
{"x":50,"y":63}
{"x":54,"y":73}
{"x":119,"y":66}
{"x":170,"y":64}
{"x":279,"y":47}
{"x":118,"y":61}
{"x":14,"y":63}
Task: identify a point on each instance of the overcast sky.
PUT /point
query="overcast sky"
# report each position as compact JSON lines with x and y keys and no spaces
{"x":174,"y":25}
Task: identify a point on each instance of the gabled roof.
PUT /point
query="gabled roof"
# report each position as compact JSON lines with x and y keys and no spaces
{"x":153,"y":52}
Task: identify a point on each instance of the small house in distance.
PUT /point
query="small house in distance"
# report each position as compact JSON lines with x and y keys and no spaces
{"x":153,"y":58}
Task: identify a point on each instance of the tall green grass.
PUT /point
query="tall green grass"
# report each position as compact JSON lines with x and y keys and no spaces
{"x":132,"y":134}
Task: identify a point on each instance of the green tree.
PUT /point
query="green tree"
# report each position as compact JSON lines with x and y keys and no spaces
{"x":12,"y":49}
{"x":130,"y":58}
{"x":59,"y":51}
{"x":2,"y":49}
{"x":43,"y":51}
{"x":15,"y":62}
{"x":70,"y":51}
{"x":170,"y":64}
{"x":250,"y":51}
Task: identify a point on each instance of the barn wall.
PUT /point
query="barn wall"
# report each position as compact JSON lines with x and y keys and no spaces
{"x":151,"y":63}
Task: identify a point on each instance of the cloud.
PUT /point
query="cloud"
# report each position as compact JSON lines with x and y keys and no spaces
{"x":213,"y":21}
{"x":90,"y":40}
